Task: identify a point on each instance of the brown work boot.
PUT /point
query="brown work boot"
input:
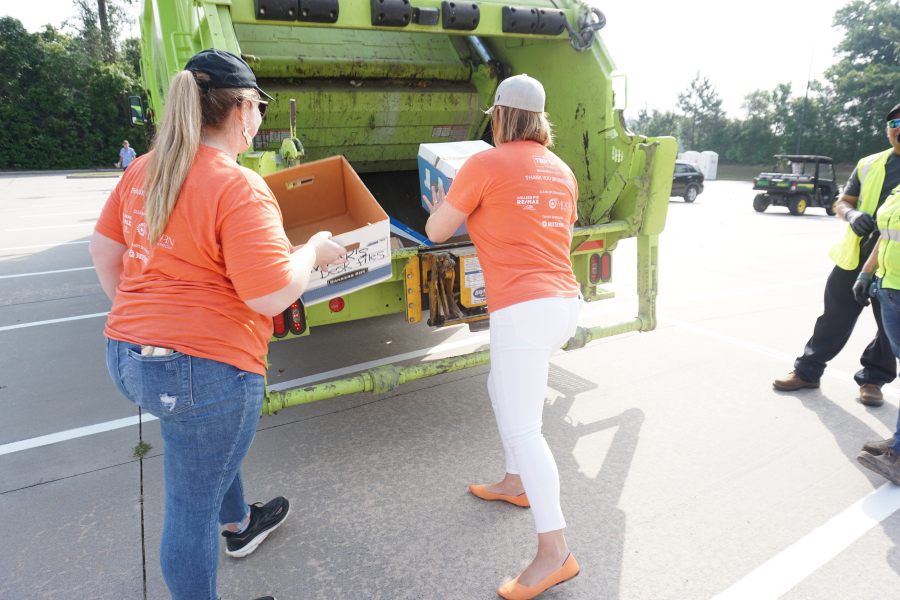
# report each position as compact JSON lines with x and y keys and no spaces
{"x":878,"y":448}
{"x":887,"y":465}
{"x":870,"y":394}
{"x":792,"y":383}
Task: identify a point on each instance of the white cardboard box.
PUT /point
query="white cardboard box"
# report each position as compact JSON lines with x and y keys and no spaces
{"x":441,"y":162}
{"x":328,"y":195}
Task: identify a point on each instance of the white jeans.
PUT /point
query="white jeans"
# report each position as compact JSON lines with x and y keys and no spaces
{"x":523,"y":338}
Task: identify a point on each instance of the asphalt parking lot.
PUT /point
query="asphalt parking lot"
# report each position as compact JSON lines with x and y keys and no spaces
{"x":684,"y":474}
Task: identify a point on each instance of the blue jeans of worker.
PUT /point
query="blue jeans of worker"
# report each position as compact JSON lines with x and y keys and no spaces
{"x":208,"y":414}
{"x":890,"y":317}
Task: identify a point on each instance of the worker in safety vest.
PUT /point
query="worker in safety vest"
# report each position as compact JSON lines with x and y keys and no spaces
{"x":883,"y":456}
{"x":870,"y":184}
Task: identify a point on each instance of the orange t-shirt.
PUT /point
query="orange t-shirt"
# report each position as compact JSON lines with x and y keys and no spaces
{"x":521,"y":199}
{"x":224,"y":244}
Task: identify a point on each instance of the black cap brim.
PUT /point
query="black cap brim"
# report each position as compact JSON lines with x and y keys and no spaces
{"x":262,"y":93}
{"x":894,"y":112}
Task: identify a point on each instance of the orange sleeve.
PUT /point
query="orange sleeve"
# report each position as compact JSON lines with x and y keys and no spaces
{"x":468,"y":186}
{"x":110,"y":222}
{"x":255,"y":247}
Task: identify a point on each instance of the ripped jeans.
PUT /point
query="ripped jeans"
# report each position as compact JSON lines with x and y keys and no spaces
{"x":208,"y":414}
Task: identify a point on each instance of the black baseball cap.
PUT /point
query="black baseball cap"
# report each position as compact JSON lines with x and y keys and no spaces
{"x":893,"y":113}
{"x":225,"y":70}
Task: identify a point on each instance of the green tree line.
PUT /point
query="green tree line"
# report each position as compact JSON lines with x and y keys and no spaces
{"x":63,"y":94}
{"x":844,"y":114}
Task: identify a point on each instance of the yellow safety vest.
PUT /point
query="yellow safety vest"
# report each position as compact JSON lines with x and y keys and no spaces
{"x":889,"y":250}
{"x":870,"y":171}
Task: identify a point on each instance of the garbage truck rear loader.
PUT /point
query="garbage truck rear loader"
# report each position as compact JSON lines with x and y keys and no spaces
{"x":372,"y":80}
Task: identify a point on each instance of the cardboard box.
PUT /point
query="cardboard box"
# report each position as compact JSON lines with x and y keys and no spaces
{"x":328,"y":195}
{"x":441,"y":162}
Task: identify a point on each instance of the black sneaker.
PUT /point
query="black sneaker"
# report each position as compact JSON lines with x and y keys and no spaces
{"x":266,"y":598}
{"x":264,"y":519}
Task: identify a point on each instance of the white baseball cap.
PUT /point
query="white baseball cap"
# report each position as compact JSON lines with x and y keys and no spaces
{"x":521,"y":91}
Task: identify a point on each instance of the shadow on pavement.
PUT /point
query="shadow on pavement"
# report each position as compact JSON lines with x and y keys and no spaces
{"x":850,"y":433}
{"x":596,"y":531}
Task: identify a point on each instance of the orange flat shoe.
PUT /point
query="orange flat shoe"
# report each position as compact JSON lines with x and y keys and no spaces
{"x":515,"y":591}
{"x":481,"y":492}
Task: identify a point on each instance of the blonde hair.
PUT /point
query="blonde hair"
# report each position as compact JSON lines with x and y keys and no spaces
{"x":189,"y":109}
{"x":514,"y":124}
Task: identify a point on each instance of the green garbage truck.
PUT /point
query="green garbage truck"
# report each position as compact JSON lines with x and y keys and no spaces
{"x":371,"y":80}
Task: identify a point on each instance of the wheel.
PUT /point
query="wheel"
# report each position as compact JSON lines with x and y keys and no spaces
{"x":690,"y":194}
{"x":830,"y":208}
{"x":760,"y":203}
{"x":798,"y":204}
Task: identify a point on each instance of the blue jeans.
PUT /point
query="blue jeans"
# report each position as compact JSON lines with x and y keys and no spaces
{"x":208,"y":414}
{"x":890,"y":317}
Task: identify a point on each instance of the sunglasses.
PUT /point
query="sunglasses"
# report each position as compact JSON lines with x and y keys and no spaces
{"x":894,"y":124}
{"x":262,"y":105}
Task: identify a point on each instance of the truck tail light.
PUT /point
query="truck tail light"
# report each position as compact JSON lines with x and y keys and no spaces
{"x":605,"y":267}
{"x":280,"y":327}
{"x":296,"y":318}
{"x":595,"y":268}
{"x":336,"y":304}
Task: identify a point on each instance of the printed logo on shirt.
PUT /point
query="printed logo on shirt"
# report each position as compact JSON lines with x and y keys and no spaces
{"x":142,"y":229}
{"x":137,"y":192}
{"x":553,"y":224}
{"x":540,"y":161}
{"x":166,"y":242}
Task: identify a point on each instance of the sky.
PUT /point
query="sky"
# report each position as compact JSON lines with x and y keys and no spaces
{"x":660,"y":44}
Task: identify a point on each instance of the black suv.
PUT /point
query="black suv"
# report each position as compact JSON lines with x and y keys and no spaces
{"x":687,"y":181}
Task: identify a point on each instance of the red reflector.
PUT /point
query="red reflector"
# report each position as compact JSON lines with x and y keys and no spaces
{"x":592,"y":245}
{"x":595,"y":268}
{"x":605,"y":267}
{"x":336,"y":305}
{"x":296,"y":318}
{"x":278,"y":321}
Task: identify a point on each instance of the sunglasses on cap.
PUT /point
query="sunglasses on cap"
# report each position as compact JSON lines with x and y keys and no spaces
{"x":262,"y":105}
{"x":893,"y":123}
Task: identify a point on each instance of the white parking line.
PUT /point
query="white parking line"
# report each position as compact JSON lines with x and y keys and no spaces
{"x":44,"y":245}
{"x":45,"y":272}
{"x":70,"y":434}
{"x":62,"y":436}
{"x":779,"y":574}
{"x":80,"y":212}
{"x":52,"y":227}
{"x":51,"y":321}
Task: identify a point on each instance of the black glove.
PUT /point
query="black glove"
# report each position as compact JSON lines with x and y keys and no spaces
{"x":861,"y":288}
{"x":861,"y":223}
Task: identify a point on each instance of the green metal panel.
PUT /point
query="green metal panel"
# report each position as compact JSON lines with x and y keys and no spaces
{"x":379,"y":121}
{"x":303,"y":52}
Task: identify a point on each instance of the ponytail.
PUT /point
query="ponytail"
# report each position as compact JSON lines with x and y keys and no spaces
{"x":174,"y":149}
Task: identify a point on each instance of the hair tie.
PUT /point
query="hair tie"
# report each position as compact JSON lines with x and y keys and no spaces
{"x":203,"y":85}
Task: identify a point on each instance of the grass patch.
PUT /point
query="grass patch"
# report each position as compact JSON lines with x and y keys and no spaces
{"x":142,"y":449}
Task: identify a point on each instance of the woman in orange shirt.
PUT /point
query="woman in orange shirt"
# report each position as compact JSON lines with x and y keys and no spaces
{"x":191,"y":250}
{"x":519,"y":204}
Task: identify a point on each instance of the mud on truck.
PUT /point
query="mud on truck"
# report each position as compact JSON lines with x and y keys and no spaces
{"x":371,"y":80}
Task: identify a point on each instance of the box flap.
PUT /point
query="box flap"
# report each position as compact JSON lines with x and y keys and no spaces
{"x":323,"y":195}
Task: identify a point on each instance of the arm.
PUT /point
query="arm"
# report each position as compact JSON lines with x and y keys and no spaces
{"x":108,"y":261}
{"x":845,"y":205}
{"x":862,"y":287}
{"x":319,"y":251}
{"x":872,"y":263}
{"x":443,"y":222}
